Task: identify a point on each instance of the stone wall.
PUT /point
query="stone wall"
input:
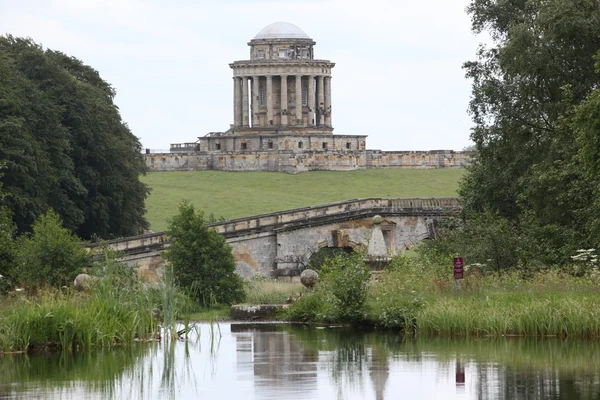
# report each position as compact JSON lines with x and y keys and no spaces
{"x":309,"y":160}
{"x":280,"y":161}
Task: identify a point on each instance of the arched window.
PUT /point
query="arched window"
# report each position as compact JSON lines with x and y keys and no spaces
{"x":261,"y":95}
{"x":305,"y":95}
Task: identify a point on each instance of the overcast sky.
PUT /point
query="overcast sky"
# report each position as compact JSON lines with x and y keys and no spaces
{"x":398,"y":75}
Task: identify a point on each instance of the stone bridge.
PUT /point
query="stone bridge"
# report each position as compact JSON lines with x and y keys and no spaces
{"x":281,"y":243}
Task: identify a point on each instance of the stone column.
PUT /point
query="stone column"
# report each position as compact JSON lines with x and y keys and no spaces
{"x":298,"y":99}
{"x":255,"y":102}
{"x":238,"y":101}
{"x":327,"y":101}
{"x":245,"y":113}
{"x":311,"y":100}
{"x":284,"y":100}
{"x":321,"y":100}
{"x":269,"y":100}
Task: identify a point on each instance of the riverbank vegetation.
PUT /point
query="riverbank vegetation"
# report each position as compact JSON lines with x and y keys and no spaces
{"x":418,"y":296}
{"x":236,"y":194}
{"x":117,"y":309}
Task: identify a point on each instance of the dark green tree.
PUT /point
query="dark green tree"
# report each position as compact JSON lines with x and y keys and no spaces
{"x":7,"y":245}
{"x":52,"y":255}
{"x":585,"y":122}
{"x":526,"y":82}
{"x":65,"y":145}
{"x":202,"y":262}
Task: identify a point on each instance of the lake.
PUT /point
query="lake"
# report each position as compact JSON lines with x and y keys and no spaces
{"x":280,"y":361}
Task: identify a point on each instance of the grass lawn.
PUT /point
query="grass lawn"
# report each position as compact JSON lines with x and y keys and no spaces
{"x":242,"y":194}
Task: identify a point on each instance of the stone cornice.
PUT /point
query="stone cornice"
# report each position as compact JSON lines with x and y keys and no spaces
{"x":283,"y":63}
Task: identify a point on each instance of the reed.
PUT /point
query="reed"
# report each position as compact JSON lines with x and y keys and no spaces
{"x":116,"y":311}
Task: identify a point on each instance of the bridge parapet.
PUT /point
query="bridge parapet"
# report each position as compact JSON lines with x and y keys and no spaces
{"x":262,"y":222}
{"x":437,"y":205}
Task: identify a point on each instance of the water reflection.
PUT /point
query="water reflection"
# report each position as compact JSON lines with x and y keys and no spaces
{"x":289,"y":362}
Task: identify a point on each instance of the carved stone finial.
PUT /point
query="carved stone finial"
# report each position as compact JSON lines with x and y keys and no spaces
{"x":377,"y":219}
{"x":309,"y":278}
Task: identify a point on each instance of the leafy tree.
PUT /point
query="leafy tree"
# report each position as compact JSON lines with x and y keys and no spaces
{"x":585,"y":121}
{"x":65,"y":145}
{"x":51,"y":255}
{"x":202,"y":262}
{"x":7,"y":245}
{"x":528,"y":166}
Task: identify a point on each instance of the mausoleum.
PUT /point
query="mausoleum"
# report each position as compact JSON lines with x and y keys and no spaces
{"x":282,"y":118}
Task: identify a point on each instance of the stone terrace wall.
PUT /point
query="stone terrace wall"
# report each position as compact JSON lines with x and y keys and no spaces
{"x":308,"y":160}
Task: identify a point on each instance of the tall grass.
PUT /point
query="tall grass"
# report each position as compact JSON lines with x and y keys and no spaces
{"x":116,"y":311}
{"x":545,"y":303}
{"x":270,"y":291}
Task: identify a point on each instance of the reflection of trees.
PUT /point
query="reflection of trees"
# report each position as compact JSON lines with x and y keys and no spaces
{"x":532,"y":383}
{"x":96,"y":371}
{"x":524,"y":369}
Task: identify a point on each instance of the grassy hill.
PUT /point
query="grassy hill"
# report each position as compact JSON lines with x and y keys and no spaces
{"x":241,"y":194}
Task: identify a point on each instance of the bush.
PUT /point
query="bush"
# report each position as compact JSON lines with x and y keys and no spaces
{"x":202,"y":262}
{"x":52,"y":255}
{"x":347,"y":278}
{"x":320,"y":257}
{"x":309,"y":308}
{"x":340,"y":295}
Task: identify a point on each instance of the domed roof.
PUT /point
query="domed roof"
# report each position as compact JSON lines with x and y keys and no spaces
{"x":281,"y":30}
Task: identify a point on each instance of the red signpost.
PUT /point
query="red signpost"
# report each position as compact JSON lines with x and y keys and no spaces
{"x":458,"y":268}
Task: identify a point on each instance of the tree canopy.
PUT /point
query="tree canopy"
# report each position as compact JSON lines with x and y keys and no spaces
{"x":536,"y":130}
{"x":65,"y":145}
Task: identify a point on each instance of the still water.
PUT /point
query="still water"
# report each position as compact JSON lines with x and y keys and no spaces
{"x":232,"y":361}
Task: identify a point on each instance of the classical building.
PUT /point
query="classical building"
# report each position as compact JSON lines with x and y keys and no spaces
{"x":282,"y":118}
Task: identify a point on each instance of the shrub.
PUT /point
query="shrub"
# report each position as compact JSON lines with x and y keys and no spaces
{"x":51,"y":255}
{"x":309,"y":308}
{"x":346,"y":279}
{"x":320,"y":257}
{"x":202,"y":261}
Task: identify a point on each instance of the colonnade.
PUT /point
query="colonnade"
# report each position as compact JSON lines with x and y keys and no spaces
{"x":319,"y":111}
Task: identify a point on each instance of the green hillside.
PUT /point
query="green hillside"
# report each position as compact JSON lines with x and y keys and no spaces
{"x":241,"y":194}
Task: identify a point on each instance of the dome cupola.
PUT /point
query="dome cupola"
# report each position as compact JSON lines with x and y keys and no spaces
{"x":281,"y":30}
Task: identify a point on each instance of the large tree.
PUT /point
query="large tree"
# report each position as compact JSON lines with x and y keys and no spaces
{"x":65,"y":145}
{"x":537,"y":67}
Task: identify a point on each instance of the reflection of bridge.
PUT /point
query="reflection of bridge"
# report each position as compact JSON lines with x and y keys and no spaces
{"x":280,"y":243}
